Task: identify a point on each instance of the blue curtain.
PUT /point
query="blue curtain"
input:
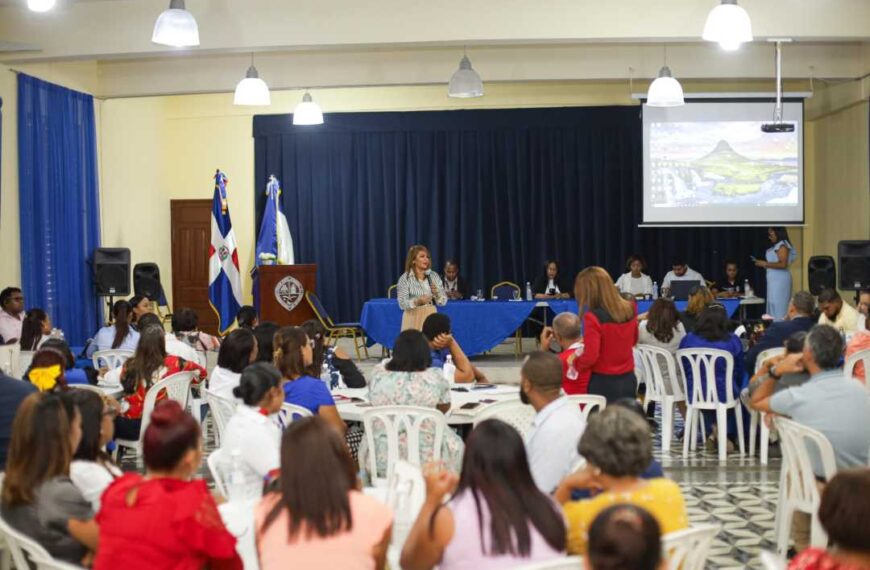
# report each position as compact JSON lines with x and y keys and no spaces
{"x":59,"y":204}
{"x":498,"y":190}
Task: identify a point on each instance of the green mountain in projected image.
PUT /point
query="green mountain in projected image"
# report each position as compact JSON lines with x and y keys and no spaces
{"x":708,"y":163}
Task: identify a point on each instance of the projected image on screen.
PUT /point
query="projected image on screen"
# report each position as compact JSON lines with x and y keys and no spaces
{"x":707,"y":163}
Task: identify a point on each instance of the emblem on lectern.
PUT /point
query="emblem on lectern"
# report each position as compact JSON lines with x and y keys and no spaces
{"x":289,"y":292}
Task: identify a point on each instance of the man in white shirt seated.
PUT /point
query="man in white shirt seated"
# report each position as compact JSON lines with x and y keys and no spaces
{"x":680,"y":271}
{"x":837,"y":313}
{"x":551,"y":445}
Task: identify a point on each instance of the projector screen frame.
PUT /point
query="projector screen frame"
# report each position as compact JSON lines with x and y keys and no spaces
{"x":742,"y":98}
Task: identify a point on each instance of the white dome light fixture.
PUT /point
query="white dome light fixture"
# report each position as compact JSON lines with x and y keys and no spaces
{"x":41,"y":5}
{"x":307,"y":112}
{"x":465,"y":81}
{"x":252,"y":91}
{"x":665,"y":91}
{"x":729,"y":25}
{"x":176,"y":27}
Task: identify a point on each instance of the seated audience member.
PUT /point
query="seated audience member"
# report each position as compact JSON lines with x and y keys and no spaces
{"x":407,"y":379}
{"x":336,"y":359}
{"x":251,"y":431}
{"x":617,"y":446}
{"x":317,"y":517}
{"x":699,"y":298}
{"x":860,"y":341}
{"x":654,"y":470}
{"x":173,"y":346}
{"x":293,"y":355}
{"x":185,"y":327}
{"x":265,"y":333}
{"x":568,"y":335}
{"x":165,"y":519}
{"x":119,"y":335}
{"x":829,"y":402}
{"x":843,"y":513}
{"x":436,"y":329}
{"x":148,"y":365}
{"x":624,"y":537}
{"x":836,"y":312}
{"x":141,"y":306}
{"x":680,"y":271}
{"x":72,"y":374}
{"x":496,"y":518}
{"x":798,"y":319}
{"x":12,"y":393}
{"x":550,"y":284}
{"x":712,"y":332}
{"x":11,"y":314}
{"x":729,"y":286}
{"x":455,"y":286}
{"x":47,"y":371}
{"x":247,"y":317}
{"x":635,"y":281}
{"x":793,"y":345}
{"x":35,"y":329}
{"x":663,"y":329}
{"x":863,"y":308}
{"x":238,"y":350}
{"x":551,"y":444}
{"x":92,"y":470}
{"x":38,"y":497}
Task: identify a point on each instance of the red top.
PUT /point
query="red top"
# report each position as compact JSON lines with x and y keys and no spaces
{"x":580,"y":383}
{"x":171,"y":365}
{"x":607,"y":345}
{"x":162,"y":523}
{"x":819,"y":559}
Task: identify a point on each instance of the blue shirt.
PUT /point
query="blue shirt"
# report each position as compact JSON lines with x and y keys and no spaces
{"x":733,"y":345}
{"x":12,"y":392}
{"x":308,"y":392}
{"x":438,"y":357}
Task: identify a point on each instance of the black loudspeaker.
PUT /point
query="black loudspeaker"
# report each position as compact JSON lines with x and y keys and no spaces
{"x":822,"y":273}
{"x":854,"y":264}
{"x":112,"y":271}
{"x":146,"y":281}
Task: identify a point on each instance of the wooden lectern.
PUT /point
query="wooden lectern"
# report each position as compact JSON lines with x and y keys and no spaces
{"x":282,"y":293}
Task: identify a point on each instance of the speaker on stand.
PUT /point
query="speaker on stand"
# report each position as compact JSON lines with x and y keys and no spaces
{"x":822,"y":273}
{"x":854,"y":258}
{"x":112,"y":273}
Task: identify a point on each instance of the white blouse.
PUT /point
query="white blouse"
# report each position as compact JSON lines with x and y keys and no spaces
{"x":642,"y":285}
{"x":256,"y":437}
{"x":222,"y":382}
{"x":92,"y":478}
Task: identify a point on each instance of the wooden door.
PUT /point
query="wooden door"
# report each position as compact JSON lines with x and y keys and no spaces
{"x":191,"y":238}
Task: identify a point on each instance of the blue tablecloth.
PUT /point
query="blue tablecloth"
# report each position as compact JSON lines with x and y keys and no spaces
{"x":477,"y":325}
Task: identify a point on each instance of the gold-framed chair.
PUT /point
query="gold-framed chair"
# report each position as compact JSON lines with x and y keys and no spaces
{"x":505,"y":291}
{"x":392,"y":291}
{"x":335,"y":331}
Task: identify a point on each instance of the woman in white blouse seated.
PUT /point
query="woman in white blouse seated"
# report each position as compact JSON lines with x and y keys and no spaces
{"x":92,"y":470}
{"x":238,"y":350}
{"x":663,"y":329}
{"x":251,"y":431}
{"x":119,"y":335}
{"x":635,"y":281}
{"x":419,"y":289}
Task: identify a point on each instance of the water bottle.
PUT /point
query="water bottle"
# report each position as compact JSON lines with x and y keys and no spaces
{"x":655,"y":289}
{"x":325,"y":377}
{"x":237,"y":480}
{"x":449,"y":369}
{"x":747,"y":289}
{"x":528,"y":291}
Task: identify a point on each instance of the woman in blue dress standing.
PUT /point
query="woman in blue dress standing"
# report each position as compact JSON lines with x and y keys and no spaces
{"x":777,"y":258}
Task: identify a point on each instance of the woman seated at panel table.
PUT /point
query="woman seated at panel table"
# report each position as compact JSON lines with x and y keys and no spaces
{"x":419,"y":288}
{"x":550,"y":284}
{"x":635,"y":281}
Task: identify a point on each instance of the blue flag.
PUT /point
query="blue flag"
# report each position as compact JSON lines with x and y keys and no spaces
{"x":274,"y":243}
{"x":225,"y":281}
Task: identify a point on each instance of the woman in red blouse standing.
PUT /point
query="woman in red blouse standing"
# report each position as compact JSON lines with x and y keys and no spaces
{"x":609,"y":335}
{"x":148,"y":365}
{"x":165,"y":519}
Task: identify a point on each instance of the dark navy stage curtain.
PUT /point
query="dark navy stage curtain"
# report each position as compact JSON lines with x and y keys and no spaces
{"x":499,"y":190}
{"x":59,"y":204}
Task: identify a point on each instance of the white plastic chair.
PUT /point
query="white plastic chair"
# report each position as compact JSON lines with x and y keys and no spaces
{"x":798,"y":488}
{"x":589,"y":402}
{"x":566,"y":563}
{"x":291,"y":412}
{"x":222,"y":409}
{"x":177,"y":388}
{"x":216,"y":463}
{"x":705,"y":395}
{"x":852,"y":362}
{"x":756,"y":418}
{"x":396,"y":420}
{"x":770,"y":561}
{"x":87,"y":387}
{"x":21,"y":547}
{"x":406,"y":493}
{"x":688,"y":549}
{"x":25,"y":357}
{"x":652,"y":358}
{"x":512,"y":412}
{"x":113,"y":358}
{"x":10,"y":354}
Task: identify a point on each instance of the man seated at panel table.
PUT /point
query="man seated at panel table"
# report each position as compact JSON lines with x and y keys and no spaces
{"x":567,"y":332}
{"x":836,"y":312}
{"x":436,"y":329}
{"x":455,"y":285}
{"x":680,"y":271}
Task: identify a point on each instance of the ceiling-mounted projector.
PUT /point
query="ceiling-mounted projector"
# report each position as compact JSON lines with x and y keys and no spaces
{"x":777,"y":126}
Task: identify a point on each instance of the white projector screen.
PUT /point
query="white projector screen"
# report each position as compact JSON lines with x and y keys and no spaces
{"x":709,"y":163}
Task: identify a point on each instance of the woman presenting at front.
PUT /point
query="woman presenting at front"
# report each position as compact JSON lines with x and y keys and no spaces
{"x":777,"y":258}
{"x":418,"y":288}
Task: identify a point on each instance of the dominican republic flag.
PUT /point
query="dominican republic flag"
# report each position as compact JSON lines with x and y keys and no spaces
{"x":274,"y":244}
{"x":225,"y":282}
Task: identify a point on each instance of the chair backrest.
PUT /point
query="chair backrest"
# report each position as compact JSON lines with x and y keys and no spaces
{"x":700,"y":364}
{"x":800,"y":444}
{"x":660,"y":371}
{"x":88,"y":387}
{"x":177,"y":388}
{"x":215,"y":462}
{"x":10,"y":354}
{"x":513,"y":412}
{"x":111,"y":359}
{"x":25,"y":357}
{"x":766,"y":355}
{"x":771,"y":561}
{"x":862,"y":356}
{"x":588,"y":402}
{"x":395,"y":421}
{"x":688,"y":549}
{"x":319,"y":310}
{"x":406,"y":493}
{"x":504,"y":290}
{"x":20,"y":544}
{"x":222,"y":409}
{"x":392,"y":291}
{"x":291,"y":412}
{"x":565,"y":563}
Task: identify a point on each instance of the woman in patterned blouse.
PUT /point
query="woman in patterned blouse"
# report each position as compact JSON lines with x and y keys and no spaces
{"x":418,"y":288}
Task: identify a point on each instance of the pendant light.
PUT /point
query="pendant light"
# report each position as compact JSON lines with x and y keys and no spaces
{"x":665,"y":91}
{"x":252,"y":91}
{"x":729,"y":25}
{"x":176,"y":27}
{"x":307,"y":112}
{"x":41,"y":5}
{"x":465,"y":82}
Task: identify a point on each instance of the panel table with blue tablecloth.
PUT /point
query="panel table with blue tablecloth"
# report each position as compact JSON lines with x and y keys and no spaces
{"x":478,"y":326}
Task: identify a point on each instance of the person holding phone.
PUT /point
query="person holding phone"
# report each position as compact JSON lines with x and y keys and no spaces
{"x":549,"y":284}
{"x":777,"y":258}
{"x":419,"y":288}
